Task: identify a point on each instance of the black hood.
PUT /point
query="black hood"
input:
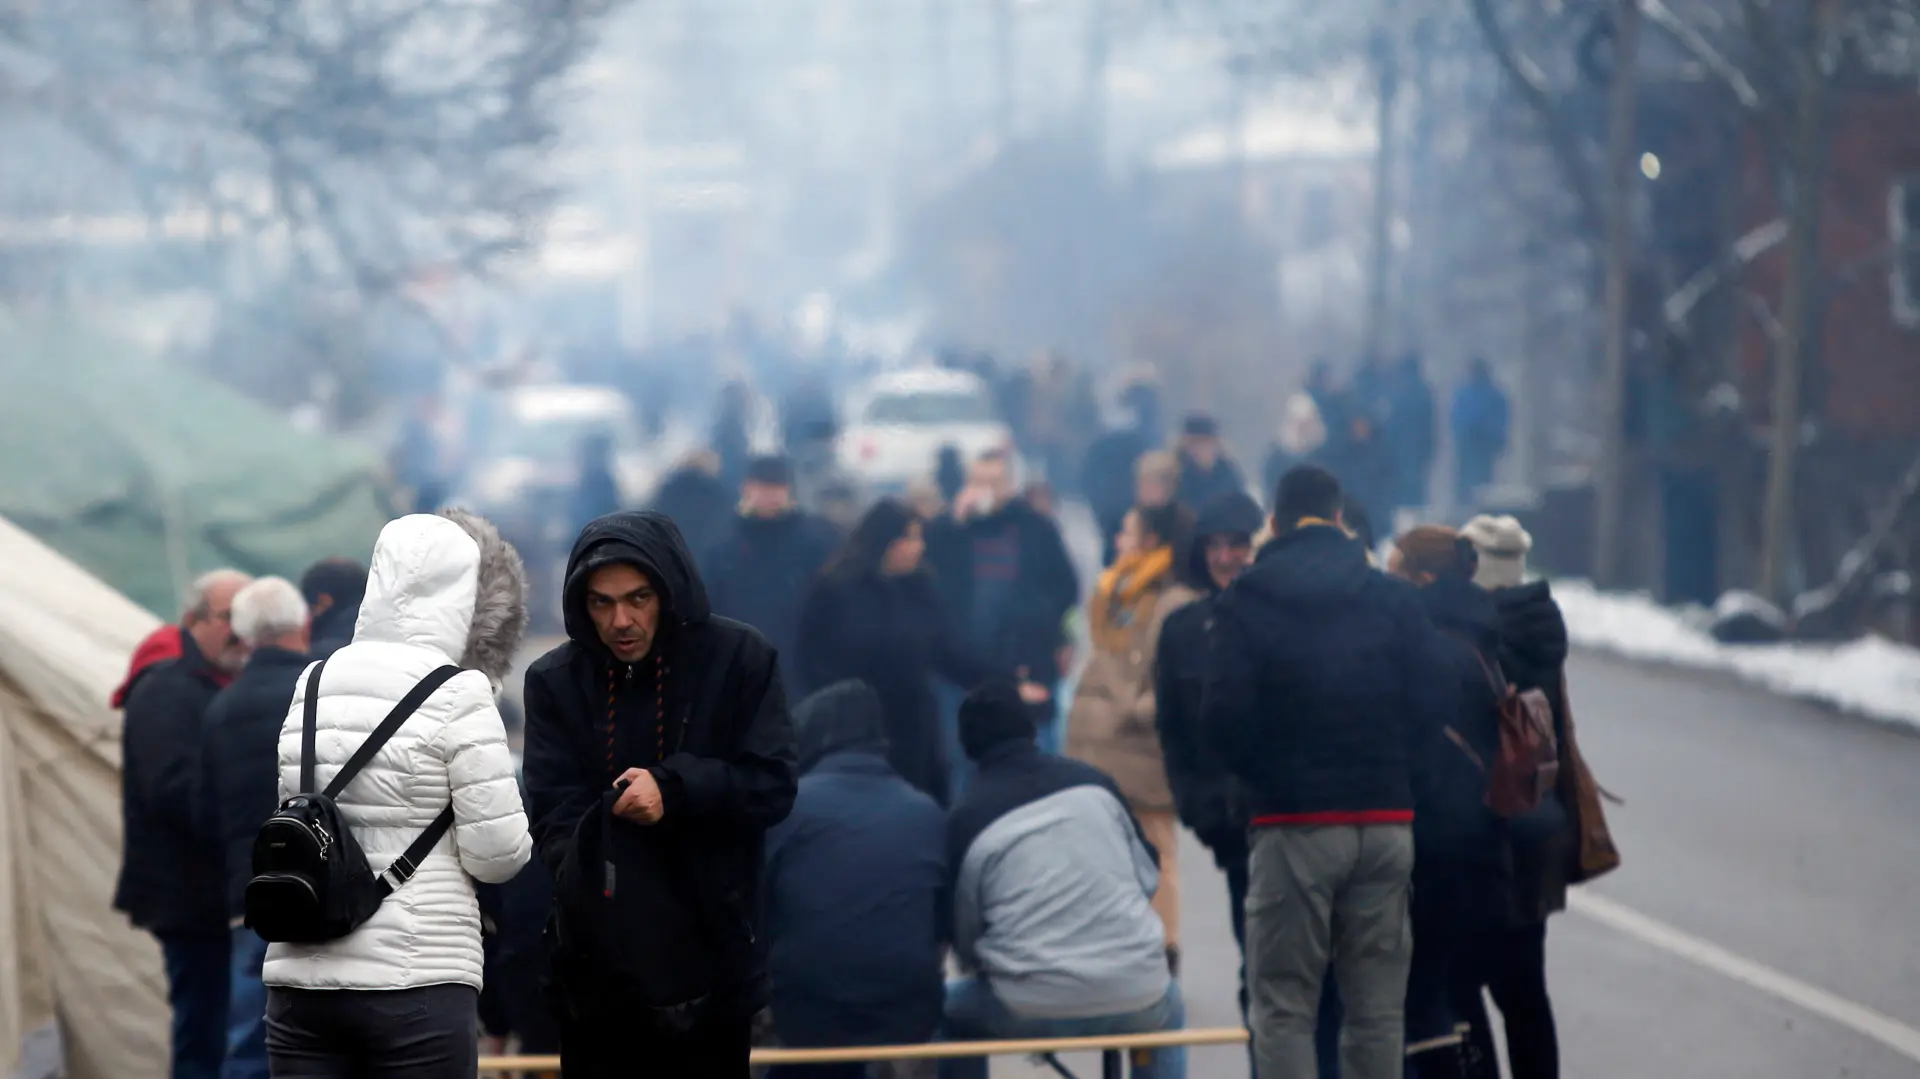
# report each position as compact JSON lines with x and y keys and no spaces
{"x":842,"y":718}
{"x":651,"y":543}
{"x":1315,"y":566}
{"x":1230,"y":514}
{"x":1531,"y":625}
{"x":1464,"y":608}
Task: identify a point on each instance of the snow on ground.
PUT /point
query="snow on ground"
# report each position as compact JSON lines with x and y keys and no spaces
{"x":1872,"y":677}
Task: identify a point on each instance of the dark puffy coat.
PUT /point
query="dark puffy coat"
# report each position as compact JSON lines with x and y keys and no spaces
{"x":1533,"y":655}
{"x":700,"y":504}
{"x":240,"y":761}
{"x":1319,"y":677}
{"x":892,"y":634}
{"x":855,"y":888}
{"x":332,"y":629}
{"x":1210,"y":800}
{"x":761,"y":572}
{"x":1463,"y":861}
{"x":171,"y":883}
{"x":1200,"y":487}
{"x":686,"y":912}
{"x":1030,"y":628}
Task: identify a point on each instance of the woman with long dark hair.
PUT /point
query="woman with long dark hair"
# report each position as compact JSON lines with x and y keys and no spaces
{"x":873,"y":615}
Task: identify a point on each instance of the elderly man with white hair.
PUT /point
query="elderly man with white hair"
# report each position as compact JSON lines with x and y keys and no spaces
{"x":171,"y":884}
{"x":240,"y":778}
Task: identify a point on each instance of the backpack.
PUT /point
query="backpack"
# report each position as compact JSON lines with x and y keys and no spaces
{"x":1528,"y":764}
{"x":311,"y":881}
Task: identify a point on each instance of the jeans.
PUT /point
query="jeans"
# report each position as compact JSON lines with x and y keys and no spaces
{"x":974,"y":1014}
{"x":246,"y":1009}
{"x":1320,"y":896}
{"x":429,"y":1032}
{"x":1512,"y":965}
{"x":197,"y":971}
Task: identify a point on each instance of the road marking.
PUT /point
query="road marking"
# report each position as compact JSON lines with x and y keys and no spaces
{"x":1858,"y":1018}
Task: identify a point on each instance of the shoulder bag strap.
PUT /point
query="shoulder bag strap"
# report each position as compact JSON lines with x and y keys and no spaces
{"x":1495,"y":677}
{"x":309,"y":726}
{"x":415,"y":697}
{"x":405,"y":866}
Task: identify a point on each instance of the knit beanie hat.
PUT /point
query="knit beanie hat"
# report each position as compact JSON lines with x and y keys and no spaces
{"x":1503,"y":547}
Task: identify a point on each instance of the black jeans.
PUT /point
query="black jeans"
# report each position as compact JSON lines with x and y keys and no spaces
{"x":1512,"y":965}
{"x":198,"y":969}
{"x":431,"y":1032}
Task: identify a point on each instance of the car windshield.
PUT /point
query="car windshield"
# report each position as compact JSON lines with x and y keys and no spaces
{"x":931,"y":408}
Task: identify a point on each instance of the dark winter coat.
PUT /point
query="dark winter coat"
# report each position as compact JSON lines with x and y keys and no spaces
{"x":706,"y":715}
{"x":1463,"y":870}
{"x":1412,"y":433}
{"x":1209,"y":799}
{"x":1365,"y":467}
{"x":1533,"y":655}
{"x":1107,"y":476}
{"x":1200,"y":487}
{"x":332,"y":629}
{"x":171,"y":883}
{"x":893,"y":634}
{"x":759,"y":574}
{"x":701,"y":506}
{"x":1030,"y":627}
{"x":856,"y":878}
{"x":240,"y":761}
{"x":1319,"y":677}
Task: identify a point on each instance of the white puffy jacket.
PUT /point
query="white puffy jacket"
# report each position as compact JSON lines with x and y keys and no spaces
{"x":417,"y":615}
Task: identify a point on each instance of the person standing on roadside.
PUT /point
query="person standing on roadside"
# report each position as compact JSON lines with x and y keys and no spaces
{"x":760,"y":572}
{"x":1314,"y":690}
{"x":171,"y":884}
{"x":1206,"y":472}
{"x":658,"y":754}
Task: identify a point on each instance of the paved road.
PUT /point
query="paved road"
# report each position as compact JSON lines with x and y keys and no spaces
{"x":1768,"y":910}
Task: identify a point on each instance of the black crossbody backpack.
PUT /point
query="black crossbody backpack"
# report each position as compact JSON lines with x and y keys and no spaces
{"x":311,"y":882}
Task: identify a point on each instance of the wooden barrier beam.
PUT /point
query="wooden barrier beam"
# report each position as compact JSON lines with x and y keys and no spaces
{"x":1165,"y":1039}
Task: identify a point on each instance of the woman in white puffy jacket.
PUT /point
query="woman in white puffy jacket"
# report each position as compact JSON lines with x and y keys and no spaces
{"x":399,"y":996}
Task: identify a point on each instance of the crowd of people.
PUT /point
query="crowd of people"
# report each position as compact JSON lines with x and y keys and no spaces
{"x":953,"y":786}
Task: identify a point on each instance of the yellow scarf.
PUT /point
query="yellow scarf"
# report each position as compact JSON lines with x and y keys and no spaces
{"x":1115,"y":599}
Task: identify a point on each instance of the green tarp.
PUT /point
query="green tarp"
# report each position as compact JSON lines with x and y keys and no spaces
{"x":148,"y":474}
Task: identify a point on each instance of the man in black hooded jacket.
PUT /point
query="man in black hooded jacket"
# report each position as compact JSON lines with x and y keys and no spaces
{"x":658,"y":753}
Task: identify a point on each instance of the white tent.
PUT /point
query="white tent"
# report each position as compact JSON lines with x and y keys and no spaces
{"x":77,"y":983}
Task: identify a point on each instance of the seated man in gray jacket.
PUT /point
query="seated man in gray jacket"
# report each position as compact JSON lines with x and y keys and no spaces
{"x":1052,"y":898}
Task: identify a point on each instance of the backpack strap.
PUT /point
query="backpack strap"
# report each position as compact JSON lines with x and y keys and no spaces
{"x":1495,"y":676}
{"x":405,"y":866}
{"x":309,"y":727}
{"x":415,"y":697}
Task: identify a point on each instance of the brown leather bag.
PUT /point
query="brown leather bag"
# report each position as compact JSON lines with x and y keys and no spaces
{"x":1583,"y":797}
{"x":1528,"y":764}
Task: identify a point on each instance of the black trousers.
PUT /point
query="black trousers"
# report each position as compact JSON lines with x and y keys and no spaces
{"x":432,"y":1032}
{"x":721,"y":1050}
{"x":1512,"y":966}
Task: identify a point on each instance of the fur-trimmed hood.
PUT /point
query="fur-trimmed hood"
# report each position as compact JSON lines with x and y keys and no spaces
{"x":448,"y":582}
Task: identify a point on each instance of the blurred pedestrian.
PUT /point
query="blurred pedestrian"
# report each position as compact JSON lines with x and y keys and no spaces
{"x":596,"y":488}
{"x":240,"y":786}
{"x":1411,"y":432}
{"x":172,"y":884}
{"x":333,"y":589}
{"x":701,"y":505}
{"x":855,"y":891}
{"x":759,"y":574}
{"x":732,"y":434}
{"x":1206,"y":472}
{"x":1479,"y":424}
{"x":949,"y":473}
{"x":1111,"y":725}
{"x":1463,"y":872}
{"x":1317,"y":677}
{"x":404,"y":987}
{"x":1052,"y":884}
{"x":659,"y":751}
{"x":1107,"y":474}
{"x":1298,"y":440}
{"x":1363,"y":462}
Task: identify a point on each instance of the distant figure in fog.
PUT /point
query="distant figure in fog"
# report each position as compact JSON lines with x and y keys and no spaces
{"x":759,"y":574}
{"x":1206,"y":472}
{"x":1052,"y":883}
{"x":1299,"y":440}
{"x":1111,"y":725}
{"x":1412,"y":432}
{"x":732,"y":436}
{"x":1363,"y":461}
{"x":949,"y":473}
{"x":855,"y":891}
{"x":1479,"y":423}
{"x":874,"y":615}
{"x":1107,"y":474}
{"x":333,"y":589}
{"x":596,"y":489}
{"x":701,"y":505}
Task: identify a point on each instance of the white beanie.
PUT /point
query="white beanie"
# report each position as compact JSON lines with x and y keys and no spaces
{"x":1503,"y":546}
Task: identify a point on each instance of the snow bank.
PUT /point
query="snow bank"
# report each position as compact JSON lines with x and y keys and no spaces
{"x":1870,"y":677}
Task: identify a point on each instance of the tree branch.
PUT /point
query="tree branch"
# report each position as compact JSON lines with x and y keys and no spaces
{"x":1532,"y":84}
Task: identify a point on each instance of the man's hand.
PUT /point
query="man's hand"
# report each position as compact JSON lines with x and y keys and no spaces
{"x":640,"y":800}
